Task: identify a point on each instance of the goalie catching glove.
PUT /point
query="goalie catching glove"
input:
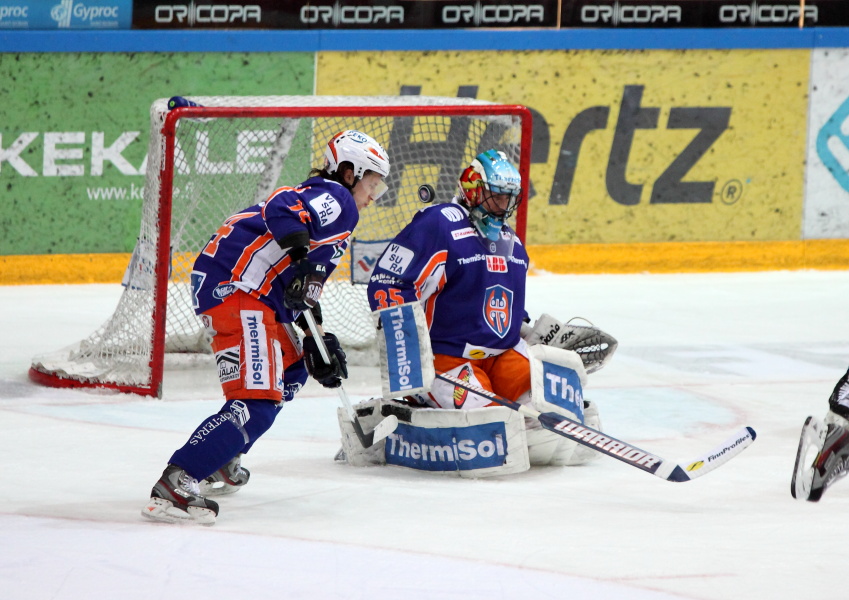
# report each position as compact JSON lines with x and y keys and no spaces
{"x":594,"y":346}
{"x":330,"y":376}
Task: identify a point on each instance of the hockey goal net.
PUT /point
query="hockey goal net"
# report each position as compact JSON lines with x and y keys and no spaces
{"x":206,"y":162}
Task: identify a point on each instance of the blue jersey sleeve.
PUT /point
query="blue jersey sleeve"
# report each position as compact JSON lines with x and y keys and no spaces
{"x":412,"y":265}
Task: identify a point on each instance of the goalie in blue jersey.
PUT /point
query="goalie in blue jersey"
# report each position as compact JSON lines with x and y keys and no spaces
{"x":467,"y":267}
{"x":254,"y":278}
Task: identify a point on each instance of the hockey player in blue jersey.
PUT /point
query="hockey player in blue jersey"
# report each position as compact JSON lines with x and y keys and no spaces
{"x":263,"y":267}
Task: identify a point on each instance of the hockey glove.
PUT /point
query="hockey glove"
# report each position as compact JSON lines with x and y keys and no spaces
{"x":304,"y":289}
{"x":330,"y":376}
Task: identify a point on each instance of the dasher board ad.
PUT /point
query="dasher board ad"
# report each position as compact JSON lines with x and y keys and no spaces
{"x":74,"y":132}
{"x":636,"y":146}
{"x":827,"y":191}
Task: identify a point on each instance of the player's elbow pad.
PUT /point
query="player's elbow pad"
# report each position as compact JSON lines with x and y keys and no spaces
{"x":300,"y":240}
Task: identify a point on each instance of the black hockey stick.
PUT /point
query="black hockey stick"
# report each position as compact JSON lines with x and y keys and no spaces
{"x":610,"y":446}
{"x":384,"y":428}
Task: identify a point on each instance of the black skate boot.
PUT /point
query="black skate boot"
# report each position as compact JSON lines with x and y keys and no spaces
{"x":176,"y":498}
{"x":226,"y":480}
{"x":822,"y":458}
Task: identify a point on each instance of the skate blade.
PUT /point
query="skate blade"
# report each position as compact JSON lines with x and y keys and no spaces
{"x":811,"y":442}
{"x":163,"y":511}
{"x":217,"y":489}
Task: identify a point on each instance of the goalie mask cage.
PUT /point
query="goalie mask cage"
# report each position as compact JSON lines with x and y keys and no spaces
{"x":207,"y":162}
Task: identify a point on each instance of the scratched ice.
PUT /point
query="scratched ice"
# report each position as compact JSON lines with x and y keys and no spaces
{"x":699,"y":357}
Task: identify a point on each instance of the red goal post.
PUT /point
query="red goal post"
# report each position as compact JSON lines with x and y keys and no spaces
{"x":206,"y":162}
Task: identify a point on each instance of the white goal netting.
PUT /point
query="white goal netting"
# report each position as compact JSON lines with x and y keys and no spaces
{"x":206,"y":163}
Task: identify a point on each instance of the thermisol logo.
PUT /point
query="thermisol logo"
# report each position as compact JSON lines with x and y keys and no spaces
{"x":562,"y":387}
{"x":449,"y":448}
{"x":402,"y":348}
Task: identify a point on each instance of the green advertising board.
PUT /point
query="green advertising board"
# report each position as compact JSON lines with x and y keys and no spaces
{"x":74,"y":136}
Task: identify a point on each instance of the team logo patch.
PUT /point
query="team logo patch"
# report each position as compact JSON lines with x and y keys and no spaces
{"x":498,"y":308}
{"x":460,"y":394}
{"x":327,"y":208}
{"x":228,"y":364}
{"x":396,"y":259}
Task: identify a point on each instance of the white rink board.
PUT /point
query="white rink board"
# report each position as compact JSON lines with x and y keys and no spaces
{"x":826,"y":211}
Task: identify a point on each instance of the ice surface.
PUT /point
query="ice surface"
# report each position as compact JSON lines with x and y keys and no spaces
{"x":699,"y":357}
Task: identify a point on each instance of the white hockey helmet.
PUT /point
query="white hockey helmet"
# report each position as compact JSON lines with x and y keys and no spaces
{"x":358,"y":149}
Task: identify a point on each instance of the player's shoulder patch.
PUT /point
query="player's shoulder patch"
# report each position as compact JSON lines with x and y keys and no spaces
{"x":453,"y":213}
{"x":326,"y":207}
{"x":396,"y":258}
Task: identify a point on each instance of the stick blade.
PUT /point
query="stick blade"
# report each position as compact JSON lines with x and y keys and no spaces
{"x":720,"y":455}
{"x":385,"y":427}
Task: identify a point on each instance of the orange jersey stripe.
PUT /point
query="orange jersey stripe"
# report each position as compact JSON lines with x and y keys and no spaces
{"x":248,"y":252}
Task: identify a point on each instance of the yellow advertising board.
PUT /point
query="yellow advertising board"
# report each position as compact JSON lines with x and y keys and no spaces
{"x":651,"y":146}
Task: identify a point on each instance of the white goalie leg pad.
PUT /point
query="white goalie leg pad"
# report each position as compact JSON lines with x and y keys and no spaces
{"x":369,"y":415}
{"x":481,"y":442}
{"x":557,"y":382}
{"x":406,"y":357}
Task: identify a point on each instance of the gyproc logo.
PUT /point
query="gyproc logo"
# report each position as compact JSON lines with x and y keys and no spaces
{"x":62,"y":13}
{"x":711,"y":121}
{"x":833,"y":145}
{"x":13,"y":14}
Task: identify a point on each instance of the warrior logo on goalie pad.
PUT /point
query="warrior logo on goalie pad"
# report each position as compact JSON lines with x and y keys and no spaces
{"x":497,"y":309}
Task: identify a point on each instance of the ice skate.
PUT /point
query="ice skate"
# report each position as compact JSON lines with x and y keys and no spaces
{"x":822,"y":458}
{"x":176,"y":498}
{"x":228,"y":479}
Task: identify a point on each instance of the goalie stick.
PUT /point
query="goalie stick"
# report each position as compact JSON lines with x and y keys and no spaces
{"x":610,"y":446}
{"x":384,"y":428}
